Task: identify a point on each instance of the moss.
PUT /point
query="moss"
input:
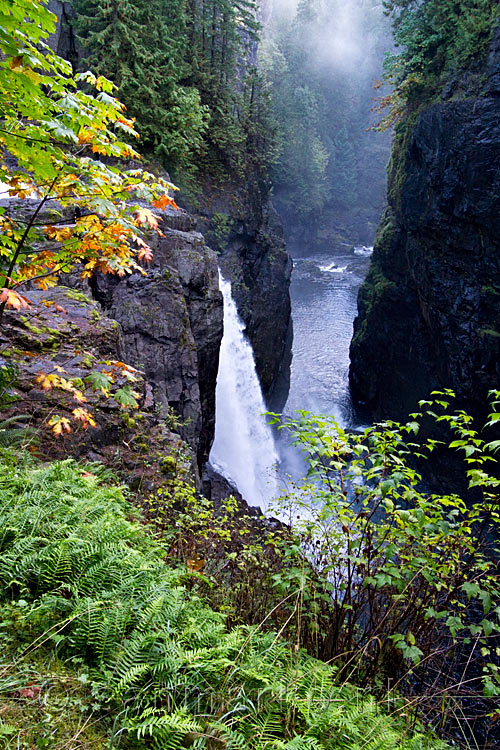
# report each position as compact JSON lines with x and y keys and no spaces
{"x":128,"y":421}
{"x":396,"y":169}
{"x":168,"y":464}
{"x":375,"y":287}
{"x":88,"y":360}
{"x":385,"y":235}
{"x":38,"y":331}
{"x":490,"y":291}
{"x":488,"y":332}
{"x":95,"y":315}
{"x":78,"y":296}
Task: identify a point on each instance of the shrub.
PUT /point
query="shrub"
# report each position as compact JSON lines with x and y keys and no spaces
{"x":412,"y":576}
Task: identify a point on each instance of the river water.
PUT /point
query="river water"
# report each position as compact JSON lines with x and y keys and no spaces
{"x":324,"y":293}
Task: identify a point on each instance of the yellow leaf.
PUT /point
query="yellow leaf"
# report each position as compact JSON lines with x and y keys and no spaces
{"x":59,"y":425}
{"x":145,"y":216}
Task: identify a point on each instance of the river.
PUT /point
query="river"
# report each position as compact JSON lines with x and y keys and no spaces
{"x":324,"y":292}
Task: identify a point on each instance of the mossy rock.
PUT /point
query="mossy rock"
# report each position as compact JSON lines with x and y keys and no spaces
{"x":74,"y":294}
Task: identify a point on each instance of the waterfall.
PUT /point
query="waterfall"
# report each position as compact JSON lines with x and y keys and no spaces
{"x":243,"y":449}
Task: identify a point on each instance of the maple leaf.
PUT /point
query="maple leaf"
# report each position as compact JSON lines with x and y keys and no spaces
{"x":145,"y":216}
{"x":47,"y":382}
{"x":145,"y":254}
{"x":84,"y":136}
{"x":85,"y":417}
{"x":78,"y":395}
{"x":124,"y":366}
{"x":164,"y":201}
{"x":100,"y":381}
{"x":127,"y":397}
{"x":59,"y":425}
{"x":13,"y":299}
{"x":38,"y":135}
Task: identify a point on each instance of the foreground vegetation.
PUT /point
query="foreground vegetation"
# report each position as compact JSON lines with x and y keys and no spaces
{"x":102,"y":645}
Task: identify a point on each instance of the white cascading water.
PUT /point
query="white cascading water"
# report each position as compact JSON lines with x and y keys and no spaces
{"x":243,"y":449}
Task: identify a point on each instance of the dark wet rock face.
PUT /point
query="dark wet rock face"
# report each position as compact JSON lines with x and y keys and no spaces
{"x":429,"y":311}
{"x":253,"y":257}
{"x":172,"y":325}
{"x":63,"y":42}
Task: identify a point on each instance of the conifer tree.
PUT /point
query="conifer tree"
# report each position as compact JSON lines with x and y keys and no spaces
{"x":140,"y":45}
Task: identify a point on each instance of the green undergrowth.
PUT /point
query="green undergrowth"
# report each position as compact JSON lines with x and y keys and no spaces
{"x":103,"y":646}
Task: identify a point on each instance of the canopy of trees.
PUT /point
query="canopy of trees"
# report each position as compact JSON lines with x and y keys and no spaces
{"x":186,"y":70}
{"x":322,"y":62}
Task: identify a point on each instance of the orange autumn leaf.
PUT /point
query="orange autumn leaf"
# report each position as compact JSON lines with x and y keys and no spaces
{"x":98,"y":148}
{"x":85,"y":417}
{"x":145,"y":254}
{"x":84,"y":136}
{"x":145,"y":216}
{"x":124,"y":366}
{"x":13,"y":299}
{"x":164,"y":201}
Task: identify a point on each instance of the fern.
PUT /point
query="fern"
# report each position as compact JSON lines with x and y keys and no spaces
{"x":171,"y":675}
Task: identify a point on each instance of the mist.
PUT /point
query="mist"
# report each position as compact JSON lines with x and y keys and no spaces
{"x":339,"y":36}
{"x":322,"y":58}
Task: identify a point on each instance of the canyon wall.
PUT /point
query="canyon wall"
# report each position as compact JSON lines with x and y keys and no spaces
{"x":429,"y":310}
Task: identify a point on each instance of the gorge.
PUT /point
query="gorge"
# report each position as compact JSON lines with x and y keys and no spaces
{"x":177,"y":568}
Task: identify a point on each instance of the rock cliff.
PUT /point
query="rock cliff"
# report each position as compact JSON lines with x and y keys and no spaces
{"x":429,"y":312}
{"x":171,"y":321}
{"x":244,"y":228}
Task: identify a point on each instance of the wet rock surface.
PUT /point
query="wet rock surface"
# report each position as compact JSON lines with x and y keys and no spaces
{"x":65,"y":337}
{"x":171,"y":320}
{"x":429,"y":311}
{"x":252,"y":255}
